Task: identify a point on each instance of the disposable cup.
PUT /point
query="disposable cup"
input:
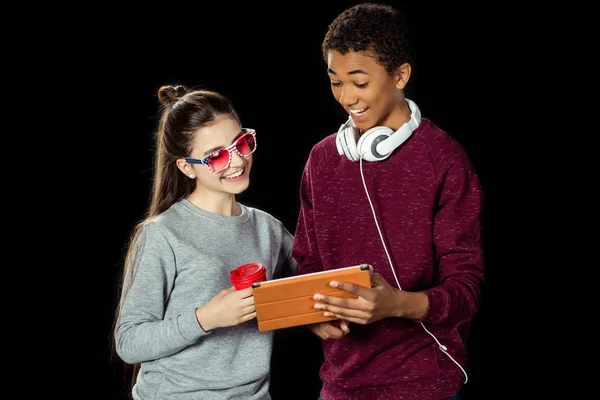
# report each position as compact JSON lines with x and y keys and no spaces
{"x":245,"y":275}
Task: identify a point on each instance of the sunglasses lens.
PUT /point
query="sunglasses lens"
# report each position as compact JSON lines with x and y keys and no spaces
{"x":246,"y":144}
{"x":219,"y":161}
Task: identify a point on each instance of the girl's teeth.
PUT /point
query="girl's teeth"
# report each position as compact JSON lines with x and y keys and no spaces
{"x":235,"y":175}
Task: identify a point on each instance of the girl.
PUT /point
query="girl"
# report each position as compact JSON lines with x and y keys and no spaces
{"x":193,"y":335}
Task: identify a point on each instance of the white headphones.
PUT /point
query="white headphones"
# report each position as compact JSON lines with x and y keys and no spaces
{"x":377,"y":143}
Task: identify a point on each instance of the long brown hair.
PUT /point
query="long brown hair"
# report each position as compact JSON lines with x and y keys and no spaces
{"x":183,"y":113}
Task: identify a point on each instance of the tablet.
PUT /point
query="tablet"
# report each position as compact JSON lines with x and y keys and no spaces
{"x":286,"y":302}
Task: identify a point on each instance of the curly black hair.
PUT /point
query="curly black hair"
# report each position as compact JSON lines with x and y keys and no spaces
{"x":376,"y":28}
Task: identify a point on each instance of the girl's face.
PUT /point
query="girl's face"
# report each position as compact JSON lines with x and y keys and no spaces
{"x":235,"y":177}
{"x":368,"y":93}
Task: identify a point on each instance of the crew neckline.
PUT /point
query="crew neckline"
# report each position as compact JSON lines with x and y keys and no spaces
{"x":236,"y":219}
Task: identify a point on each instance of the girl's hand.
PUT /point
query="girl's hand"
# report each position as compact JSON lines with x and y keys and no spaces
{"x":229,"y":307}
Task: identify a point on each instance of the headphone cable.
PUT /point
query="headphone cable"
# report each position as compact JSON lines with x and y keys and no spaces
{"x":441,"y":346}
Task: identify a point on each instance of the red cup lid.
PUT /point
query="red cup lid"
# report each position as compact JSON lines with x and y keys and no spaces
{"x":247,"y":272}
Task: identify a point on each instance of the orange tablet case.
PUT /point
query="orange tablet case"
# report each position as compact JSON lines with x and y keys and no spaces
{"x":286,"y":302}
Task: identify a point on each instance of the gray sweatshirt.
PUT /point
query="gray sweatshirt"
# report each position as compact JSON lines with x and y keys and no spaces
{"x":184,"y":259}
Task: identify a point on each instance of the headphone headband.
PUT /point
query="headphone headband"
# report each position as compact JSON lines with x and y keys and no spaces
{"x":397,"y":138}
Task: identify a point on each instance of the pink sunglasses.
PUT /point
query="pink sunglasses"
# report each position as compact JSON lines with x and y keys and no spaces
{"x":220,"y":159}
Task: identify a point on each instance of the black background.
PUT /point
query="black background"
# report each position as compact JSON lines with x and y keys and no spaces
{"x":267,"y":60}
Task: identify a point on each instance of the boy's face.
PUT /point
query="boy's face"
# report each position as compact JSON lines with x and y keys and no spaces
{"x":370,"y":95}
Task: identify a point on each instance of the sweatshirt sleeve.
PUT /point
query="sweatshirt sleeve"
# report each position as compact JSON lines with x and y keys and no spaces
{"x":142,"y":333}
{"x":306,"y":250}
{"x":458,"y":246}
{"x":287,"y":265}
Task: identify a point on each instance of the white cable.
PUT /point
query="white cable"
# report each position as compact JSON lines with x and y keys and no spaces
{"x":441,"y":346}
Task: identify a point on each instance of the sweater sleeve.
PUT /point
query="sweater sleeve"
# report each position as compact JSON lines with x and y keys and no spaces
{"x":289,"y":266}
{"x":306,"y":249}
{"x":141,"y":333}
{"x":458,"y":246}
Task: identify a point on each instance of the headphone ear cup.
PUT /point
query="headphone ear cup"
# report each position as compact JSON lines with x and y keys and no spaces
{"x":351,"y":136}
{"x":367,"y":144}
{"x":340,"y":139}
{"x":346,"y":143}
{"x":339,"y":142}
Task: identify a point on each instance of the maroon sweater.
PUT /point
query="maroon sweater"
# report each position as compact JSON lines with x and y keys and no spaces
{"x":428,"y":202}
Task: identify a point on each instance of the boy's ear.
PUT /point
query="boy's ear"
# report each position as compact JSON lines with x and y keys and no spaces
{"x":402,"y":75}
